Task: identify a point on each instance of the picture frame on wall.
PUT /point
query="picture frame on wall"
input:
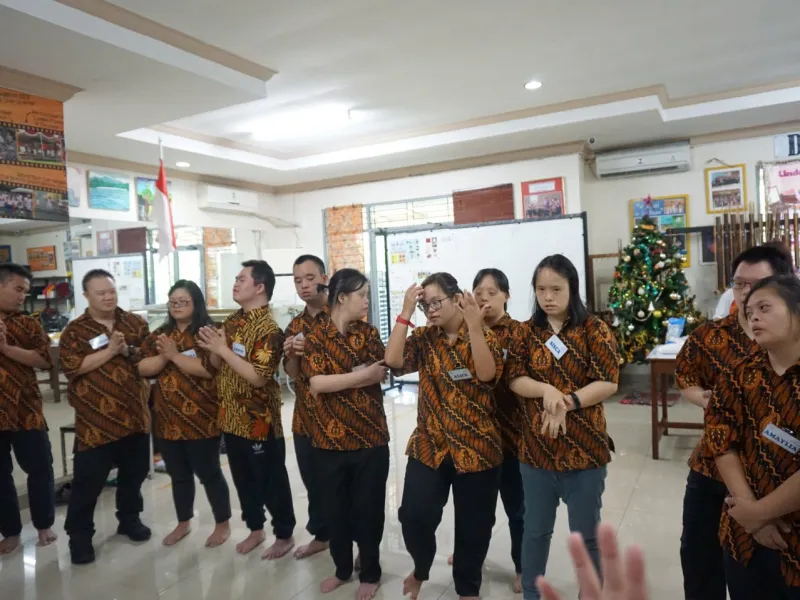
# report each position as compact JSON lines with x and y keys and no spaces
{"x":708,"y":247}
{"x":42,"y":258}
{"x":5,"y":254}
{"x":106,"y":243}
{"x":543,"y":198}
{"x":109,"y":191}
{"x":726,"y":189}
{"x":668,"y":212}
{"x":145,"y":193}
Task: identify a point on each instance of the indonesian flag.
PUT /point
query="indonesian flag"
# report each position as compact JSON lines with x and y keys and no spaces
{"x":162,"y":215}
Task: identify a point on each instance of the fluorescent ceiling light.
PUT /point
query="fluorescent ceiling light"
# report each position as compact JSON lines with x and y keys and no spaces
{"x":303,"y":122}
{"x":182,"y":164}
{"x":533,"y":85}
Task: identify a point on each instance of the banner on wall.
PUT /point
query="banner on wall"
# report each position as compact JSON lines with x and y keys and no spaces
{"x":783,"y":186}
{"x":33,"y":175}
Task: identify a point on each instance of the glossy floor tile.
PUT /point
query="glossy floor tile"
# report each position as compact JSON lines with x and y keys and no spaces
{"x":643,"y":499}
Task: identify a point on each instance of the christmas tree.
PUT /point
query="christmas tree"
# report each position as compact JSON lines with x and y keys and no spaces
{"x":649,"y":289}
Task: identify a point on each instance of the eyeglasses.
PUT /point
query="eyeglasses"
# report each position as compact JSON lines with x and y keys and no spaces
{"x":178,"y":303}
{"x":432,"y":305}
{"x":738,"y":284}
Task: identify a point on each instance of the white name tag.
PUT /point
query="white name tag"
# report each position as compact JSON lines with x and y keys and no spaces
{"x":783,"y":438}
{"x":190,"y":353}
{"x":505,"y":354}
{"x":556,"y":347}
{"x":459,"y":374}
{"x":101,"y":341}
{"x":239,"y":350}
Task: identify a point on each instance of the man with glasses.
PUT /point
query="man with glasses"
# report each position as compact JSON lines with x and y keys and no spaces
{"x":712,"y":348}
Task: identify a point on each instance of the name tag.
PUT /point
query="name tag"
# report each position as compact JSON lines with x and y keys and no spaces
{"x":459,"y":374}
{"x":783,"y":438}
{"x":101,"y":341}
{"x":239,"y":350}
{"x":556,"y":347}
{"x":190,"y":353}
{"x":505,"y":354}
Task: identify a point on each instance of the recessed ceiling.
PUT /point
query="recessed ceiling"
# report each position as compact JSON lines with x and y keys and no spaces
{"x":430,"y":82}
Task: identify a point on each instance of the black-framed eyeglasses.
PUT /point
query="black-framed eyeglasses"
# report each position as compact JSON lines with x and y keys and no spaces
{"x":178,"y":303}
{"x":432,"y":305}
{"x":738,"y":284}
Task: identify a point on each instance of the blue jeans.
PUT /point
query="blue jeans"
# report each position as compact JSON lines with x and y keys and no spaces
{"x":582,"y":492}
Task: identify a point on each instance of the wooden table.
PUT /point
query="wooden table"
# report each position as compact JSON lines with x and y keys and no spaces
{"x":661,"y":371}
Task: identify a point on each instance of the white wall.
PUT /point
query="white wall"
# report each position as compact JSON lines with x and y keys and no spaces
{"x":607,"y":205}
{"x":20,"y":244}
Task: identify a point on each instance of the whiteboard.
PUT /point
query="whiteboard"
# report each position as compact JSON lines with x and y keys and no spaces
{"x":514,"y":247}
{"x":128,"y":271}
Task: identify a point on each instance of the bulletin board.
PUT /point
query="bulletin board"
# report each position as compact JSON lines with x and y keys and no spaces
{"x":667,"y":212}
{"x":129,"y":271}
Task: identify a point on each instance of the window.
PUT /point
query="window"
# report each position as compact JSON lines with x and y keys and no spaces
{"x":187,"y":263}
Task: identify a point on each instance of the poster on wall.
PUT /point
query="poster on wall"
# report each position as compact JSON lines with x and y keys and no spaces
{"x":726,"y":189}
{"x":145,"y":192}
{"x":76,"y":186}
{"x":667,"y":212}
{"x":5,"y":254}
{"x":109,"y":191}
{"x":543,"y":198}
{"x":105,"y":243}
{"x":33,"y":178}
{"x":782,"y":182}
{"x":42,"y":258}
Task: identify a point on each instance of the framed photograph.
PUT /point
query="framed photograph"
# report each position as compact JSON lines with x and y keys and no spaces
{"x":543,"y":198}
{"x":106,"y":243}
{"x":5,"y":254}
{"x":708,"y":247}
{"x":145,"y":192}
{"x":42,"y":258}
{"x":726,"y":189}
{"x":109,"y":192}
{"x":667,"y":212}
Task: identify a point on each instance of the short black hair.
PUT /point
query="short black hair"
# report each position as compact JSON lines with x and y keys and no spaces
{"x":8,"y":270}
{"x":576,"y":309}
{"x":262,"y":274}
{"x":500,"y":280}
{"x":772,"y":254}
{"x":95,"y":274}
{"x":344,"y":281}
{"x":304,"y":258}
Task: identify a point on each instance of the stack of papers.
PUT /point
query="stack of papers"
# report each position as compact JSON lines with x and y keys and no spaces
{"x":667,"y":350}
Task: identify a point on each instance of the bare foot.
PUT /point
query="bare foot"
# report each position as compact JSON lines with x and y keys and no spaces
{"x":278,"y":549}
{"x":9,"y":544}
{"x":255,"y":539}
{"x":330,"y":584}
{"x":450,"y":560}
{"x":176,"y":535}
{"x":47,"y":537}
{"x":367,"y":591}
{"x":219,"y":536}
{"x":310,"y":549}
{"x":517,"y":586}
{"x":411,"y":586}
{"x":357,"y":563}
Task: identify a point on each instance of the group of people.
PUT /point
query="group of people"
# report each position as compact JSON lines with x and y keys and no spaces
{"x":506,"y":409}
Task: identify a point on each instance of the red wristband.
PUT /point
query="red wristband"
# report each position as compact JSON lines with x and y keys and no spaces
{"x":406,"y":322}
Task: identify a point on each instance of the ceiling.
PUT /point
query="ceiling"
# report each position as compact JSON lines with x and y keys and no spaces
{"x":424,"y":82}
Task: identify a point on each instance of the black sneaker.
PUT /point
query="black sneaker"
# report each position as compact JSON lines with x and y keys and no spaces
{"x":135,"y":530}
{"x":81,"y":551}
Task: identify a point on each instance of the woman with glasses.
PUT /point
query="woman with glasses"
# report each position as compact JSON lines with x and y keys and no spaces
{"x":456,"y":442}
{"x":710,"y":351}
{"x":186,"y":410}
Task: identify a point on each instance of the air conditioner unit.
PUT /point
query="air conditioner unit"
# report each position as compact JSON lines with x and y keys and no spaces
{"x":226,"y":200}
{"x":636,"y":162}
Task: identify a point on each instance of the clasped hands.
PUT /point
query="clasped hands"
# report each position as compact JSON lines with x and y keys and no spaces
{"x":749,"y":514}
{"x":554,"y":416}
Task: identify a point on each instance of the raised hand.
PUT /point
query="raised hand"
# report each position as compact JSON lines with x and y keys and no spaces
{"x":116,"y":343}
{"x":213,"y":340}
{"x":469,"y":308}
{"x":166,"y":347}
{"x":413,"y":296}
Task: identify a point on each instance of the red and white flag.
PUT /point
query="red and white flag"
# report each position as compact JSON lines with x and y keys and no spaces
{"x":162,"y":215}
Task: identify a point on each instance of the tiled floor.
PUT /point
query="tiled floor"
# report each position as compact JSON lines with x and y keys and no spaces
{"x":643,"y":499}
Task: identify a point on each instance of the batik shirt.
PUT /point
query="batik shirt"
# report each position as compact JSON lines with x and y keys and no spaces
{"x":301,"y":419}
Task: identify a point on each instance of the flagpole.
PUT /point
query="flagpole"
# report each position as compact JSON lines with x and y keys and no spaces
{"x":160,"y":150}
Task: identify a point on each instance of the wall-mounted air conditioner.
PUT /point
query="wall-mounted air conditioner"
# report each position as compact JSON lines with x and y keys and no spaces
{"x":226,"y":200}
{"x":636,"y":162}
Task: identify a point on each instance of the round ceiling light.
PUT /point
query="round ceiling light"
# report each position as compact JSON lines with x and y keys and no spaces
{"x":182,"y":164}
{"x":533,"y":85}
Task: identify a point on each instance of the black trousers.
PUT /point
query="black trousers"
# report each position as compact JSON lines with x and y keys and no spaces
{"x":425,"y":495}
{"x":131,"y":456}
{"x":701,"y":554}
{"x":354,"y":484}
{"x":761,"y":578}
{"x":260,"y":476}
{"x":306,"y":463}
{"x":186,"y":458}
{"x":513,"y":498}
{"x":34,"y":456}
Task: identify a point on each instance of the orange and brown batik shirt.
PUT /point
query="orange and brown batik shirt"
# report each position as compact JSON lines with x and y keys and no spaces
{"x":749,"y":402}
{"x":20,"y":398}
{"x":456,"y":413}
{"x":710,"y":350}
{"x":302,"y":420}
{"x":351,"y":419}
{"x":509,"y":405}
{"x":185,"y":407}
{"x":591,"y":355}
{"x":110,"y":402}
{"x":246,"y":410}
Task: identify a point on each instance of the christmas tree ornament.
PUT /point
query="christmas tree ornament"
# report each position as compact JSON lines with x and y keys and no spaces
{"x":657,"y":314}
{"x":629,"y":303}
{"x":640,"y":291}
{"x":616,"y":321}
{"x":651,"y":308}
{"x":636,"y":252}
{"x":627,"y":259}
{"x":690,"y":319}
{"x":662,"y":256}
{"x":640,"y":314}
{"x":631,"y":327}
{"x":660,"y":265}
